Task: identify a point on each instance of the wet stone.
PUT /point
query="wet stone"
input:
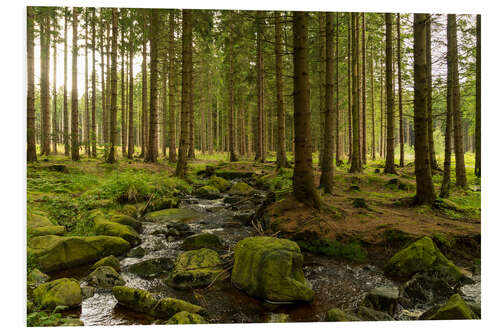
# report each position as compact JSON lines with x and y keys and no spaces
{"x":136,"y":252}
{"x":383,"y":299}
{"x":152,"y":267}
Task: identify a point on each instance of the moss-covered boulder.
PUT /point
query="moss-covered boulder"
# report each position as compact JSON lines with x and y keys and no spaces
{"x":220,"y":183}
{"x":37,"y":277}
{"x":424,"y":256}
{"x":163,"y":203}
{"x":58,"y":230}
{"x":61,"y":292}
{"x":207,"y":192}
{"x":56,"y":252}
{"x":105,"y":227}
{"x":455,"y":308}
{"x":195,"y":269}
{"x":35,"y":220}
{"x":173,"y":214}
{"x":337,"y":314}
{"x":383,"y":299}
{"x":136,"y":252}
{"x":203,"y":240}
{"x":186,"y":318}
{"x":241,"y":188}
{"x":152,"y":267}
{"x":369,"y":314}
{"x":270,"y":268}
{"x":167,"y":307}
{"x":105,"y":277}
{"x":111,"y":261}
{"x":126,"y":220}
{"x":135,"y":299}
{"x":129,"y":210}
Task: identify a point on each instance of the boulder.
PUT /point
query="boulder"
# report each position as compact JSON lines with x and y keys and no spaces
{"x":127,"y":220}
{"x":37,"y":220}
{"x":367,"y":314}
{"x":424,"y":256}
{"x":87,"y":291}
{"x":135,"y":299}
{"x":36,"y":277}
{"x":271,"y":269}
{"x":244,"y":216}
{"x":233,"y":174}
{"x":173,"y":214}
{"x":207,"y":192}
{"x":241,"y":188}
{"x":337,"y":314}
{"x":61,"y":292}
{"x":130,"y":210}
{"x":185,"y":317}
{"x":56,"y":252}
{"x":383,"y":299}
{"x":107,"y":228}
{"x":58,"y":230}
{"x":167,"y":307}
{"x":111,"y":261}
{"x":136,"y":252}
{"x":152,"y":267}
{"x":203,"y":240}
{"x":195,"y":269}
{"x":105,"y":277}
{"x":455,"y":308}
{"x":220,"y":183}
{"x":425,"y":288}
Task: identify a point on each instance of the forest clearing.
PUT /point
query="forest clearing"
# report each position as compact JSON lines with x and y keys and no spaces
{"x":233,"y":166}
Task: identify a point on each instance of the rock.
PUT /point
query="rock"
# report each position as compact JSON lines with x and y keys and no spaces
{"x":56,"y":252}
{"x":241,"y":188}
{"x":185,"y":317}
{"x":105,"y":277}
{"x":232,"y":199}
{"x":265,"y":181}
{"x":136,"y":252}
{"x":475,"y":307}
{"x":383,"y":299}
{"x":367,"y":314}
{"x":167,"y":307}
{"x":87,"y":291}
{"x":111,"y":261}
{"x":424,"y":256}
{"x":105,"y":227}
{"x":203,"y":240}
{"x":136,"y":299}
{"x":130,"y":210}
{"x":220,"y":183}
{"x":337,"y":314}
{"x":233,"y":174}
{"x":36,"y":277}
{"x":152,"y":267}
{"x":61,"y":292}
{"x":244,"y":216}
{"x":195,"y":269}
{"x":163,"y":203}
{"x":36,"y":221}
{"x":173,"y":214}
{"x":127,"y":220}
{"x":48,"y":230}
{"x":455,"y":308}
{"x":207,"y":192}
{"x":359,"y":203}
{"x":396,"y":183}
{"x":271,"y":269}
{"x":278,"y":318}
{"x":425,"y":288}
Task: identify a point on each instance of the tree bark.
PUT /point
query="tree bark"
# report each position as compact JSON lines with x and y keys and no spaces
{"x":131,"y":136}
{"x":44,"y":83}
{"x":75,"y":145}
{"x":260,"y":154}
{"x":153,"y":79}
{"x":113,"y":107}
{"x":389,"y":158}
{"x":123,"y":88}
{"x":54,"y":88}
{"x":232,"y":153}
{"x":65,"y":97}
{"x":477,"y":137}
{"x":400,"y":101}
{"x":31,"y":133}
{"x":144,"y":136}
{"x":93,"y":137}
{"x":337,"y":110}
{"x":430,"y":126}
{"x":172,"y":155}
{"x":355,"y":153}
{"x":363,"y":89}
{"x":372,"y":88}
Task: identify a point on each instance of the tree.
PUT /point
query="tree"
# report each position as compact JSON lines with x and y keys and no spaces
{"x":65,"y":97}
{"x":400,"y":99}
{"x":260,"y":154}
{"x":31,"y":153}
{"x":477,"y":166}
{"x":232,"y":153}
{"x":303,"y":178}
{"x":93,"y":137}
{"x":75,"y":145}
{"x":355,"y":153}
{"x":428,"y":54}
{"x":363,"y":90}
{"x":152,"y":153}
{"x":54,"y":88}
{"x":187,"y":74}
{"x":113,"y":107}
{"x":389,"y":158}
{"x":87,"y":115}
{"x":327,"y":167}
{"x":172,"y":156}
{"x":425,"y":189}
{"x":123,"y":87}
{"x":131,"y":137}
{"x":144,"y":117}
{"x":44,"y":82}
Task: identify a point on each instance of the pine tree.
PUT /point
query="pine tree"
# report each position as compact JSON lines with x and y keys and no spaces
{"x":355,"y":153}
{"x":31,"y":134}
{"x":113,"y":107}
{"x":172,"y":156}
{"x":477,"y":166}
{"x":389,"y":158}
{"x":152,"y":155}
{"x":75,"y":145}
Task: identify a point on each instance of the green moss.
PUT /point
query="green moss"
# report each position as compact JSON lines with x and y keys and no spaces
{"x":203,"y":240}
{"x":173,"y":214}
{"x":167,"y":307}
{"x":48,"y":230}
{"x":185,"y":317}
{"x":136,"y":299}
{"x":163,"y":203}
{"x":337,"y":314}
{"x":207,"y":192}
{"x":61,"y":292}
{"x":455,"y":308}
{"x":111,"y":261}
{"x":233,"y":174}
{"x":130,"y":210}
{"x":107,"y":228}
{"x":335,"y":248}
{"x":126,"y":220}
{"x":220,"y":183}
{"x":37,"y":221}
{"x":241,"y":188}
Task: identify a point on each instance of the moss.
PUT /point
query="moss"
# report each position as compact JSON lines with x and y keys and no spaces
{"x":233,"y":174}
{"x":105,"y":277}
{"x":443,"y":240}
{"x":107,"y":228}
{"x":203,"y":240}
{"x":207,"y":192}
{"x":126,"y":220}
{"x":455,"y":308}
{"x":220,"y":183}
{"x":136,"y":299}
{"x":167,"y":307}
{"x":37,"y":220}
{"x":163,"y":203}
{"x":184,"y":317}
{"x":130,"y":210}
{"x":241,"y":188}
{"x":36,"y":277}
{"x":173,"y":214}
{"x":334,"y":248}
{"x":48,"y":230}
{"x":270,"y":268}
{"x":337,"y":314}
{"x":61,"y":292}
{"x":111,"y":261}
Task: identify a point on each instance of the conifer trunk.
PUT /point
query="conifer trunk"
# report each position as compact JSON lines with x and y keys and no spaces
{"x":400,"y":101}
{"x":131,"y":136}
{"x":93,"y":137}
{"x":153,"y":79}
{"x":172,"y":155}
{"x":477,"y":137}
{"x":65,"y":97}
{"x":31,"y":133}
{"x":355,"y":153}
{"x":44,"y":84}
{"x":75,"y":145}
{"x":54,"y":90}
{"x":389,"y":158}
{"x":113,"y":107}
{"x":232,"y":153}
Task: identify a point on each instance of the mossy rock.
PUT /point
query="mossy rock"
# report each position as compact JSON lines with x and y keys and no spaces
{"x":57,"y":252}
{"x":186,"y":318}
{"x":135,"y":299}
{"x":384,"y":299}
{"x":35,"y":220}
{"x":337,"y":314}
{"x":203,"y":240}
{"x":233,"y":174}
{"x":424,"y":256}
{"x":207,"y":192}
{"x":136,"y":252}
{"x":278,"y":318}
{"x":270,"y":268}
{"x":368,"y":314}
{"x":37,"y":277}
{"x":111,"y":261}
{"x":105,"y":277}
{"x":126,"y":220}
{"x":220,"y":183}
{"x":163,"y":203}
{"x":58,"y":168}
{"x":152,"y":267}
{"x":241,"y":188}
{"x":58,"y":230}
{"x":455,"y":308}
{"x":61,"y":292}
{"x":167,"y":307}
{"x":265,"y":181}
{"x":107,"y":228}
{"x":129,"y":210}
{"x":195,"y":269}
{"x":173,"y":214}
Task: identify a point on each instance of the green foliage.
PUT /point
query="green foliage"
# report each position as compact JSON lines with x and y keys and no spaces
{"x":31,"y":262}
{"x":352,"y":250}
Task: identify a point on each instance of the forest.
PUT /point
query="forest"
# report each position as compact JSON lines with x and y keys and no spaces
{"x":233,"y":166}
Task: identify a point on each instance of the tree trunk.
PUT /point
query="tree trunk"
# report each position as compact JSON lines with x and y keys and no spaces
{"x":363,"y":91}
{"x":372,"y":88}
{"x":104,"y":127}
{"x":114,"y":79}
{"x":123,"y":88}
{"x":303,"y":178}
{"x":153,"y":79}
{"x":44,"y":84}
{"x":31,"y":133}
{"x":86,"y":123}
{"x":400,"y":101}
{"x":232,"y":153}
{"x":477,"y":137}
{"x":349,"y":83}
{"x":93,"y":137}
{"x":144,"y":136}
{"x":355,"y":153}
{"x":54,"y":90}
{"x":389,"y":159}
{"x":65,"y":97}
{"x":75,"y":147}
{"x":381,"y":148}
{"x":260,"y":155}
{"x":321,"y":71}
{"x":425,"y":189}
{"x":337,"y":110}
{"x":430,"y":126}
{"x":131,"y":136}
{"x":187,"y":74}
{"x":172,"y":156}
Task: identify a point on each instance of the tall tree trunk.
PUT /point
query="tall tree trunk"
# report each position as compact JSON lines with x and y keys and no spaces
{"x":75,"y":146}
{"x":163,"y":100}
{"x":144,"y":117}
{"x":153,"y":79}
{"x":477,"y":137}
{"x":113,"y":107}
{"x":31,"y":133}
{"x":389,"y":159}
{"x":321,"y":71}
{"x":337,"y":110}
{"x":355,"y":153}
{"x":107,"y":114}
{"x":430,"y":126}
{"x":44,"y":84}
{"x":363,"y":91}
{"x":260,"y":156}
{"x":93,"y":137}
{"x":131,"y":136}
{"x":232,"y":153}
{"x":381,"y":109}
{"x":187,"y":75}
{"x":172,"y":155}
{"x":86,"y":123}
{"x":104,"y":127}
{"x":372,"y":88}
{"x":327,"y":167}
{"x":65,"y":97}
{"x":303,"y":178}
{"x":400,"y":101}
{"x":349,"y":83}
{"x":425,"y":188}
{"x":54,"y":89}
{"x":123,"y":89}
